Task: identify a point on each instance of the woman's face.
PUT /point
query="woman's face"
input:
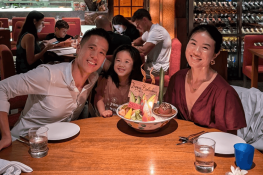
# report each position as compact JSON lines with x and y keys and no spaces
{"x":123,"y":64}
{"x":119,"y":28}
{"x":39,"y":24}
{"x":200,"y":50}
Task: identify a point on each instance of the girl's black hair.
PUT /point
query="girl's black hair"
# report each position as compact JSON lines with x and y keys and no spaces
{"x":212,"y":31}
{"x":29,"y":25}
{"x":120,"y":20}
{"x":137,"y":62}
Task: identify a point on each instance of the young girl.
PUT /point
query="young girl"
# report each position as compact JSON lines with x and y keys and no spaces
{"x":113,"y":88}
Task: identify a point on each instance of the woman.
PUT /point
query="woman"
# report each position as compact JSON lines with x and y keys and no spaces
{"x":29,"y":54}
{"x":199,"y":93}
{"x":124,"y":27}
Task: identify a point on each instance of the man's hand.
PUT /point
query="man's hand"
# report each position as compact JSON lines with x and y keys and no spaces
{"x":5,"y":142}
{"x":107,"y":113}
{"x":5,"y":131}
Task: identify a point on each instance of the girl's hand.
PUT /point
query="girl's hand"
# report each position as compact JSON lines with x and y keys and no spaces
{"x":107,"y":113}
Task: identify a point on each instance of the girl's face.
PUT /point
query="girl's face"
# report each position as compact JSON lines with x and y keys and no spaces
{"x":39,"y":24}
{"x":200,"y":50}
{"x":123,"y":64}
{"x":119,"y":28}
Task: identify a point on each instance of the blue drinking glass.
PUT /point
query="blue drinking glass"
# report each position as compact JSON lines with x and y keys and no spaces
{"x":244,"y":154}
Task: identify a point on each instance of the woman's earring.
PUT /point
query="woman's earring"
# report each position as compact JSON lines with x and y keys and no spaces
{"x":213,"y":62}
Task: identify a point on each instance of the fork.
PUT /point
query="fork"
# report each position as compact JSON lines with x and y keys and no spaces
{"x":189,"y":139}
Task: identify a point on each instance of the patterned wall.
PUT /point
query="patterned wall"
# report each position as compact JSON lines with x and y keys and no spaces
{"x":168,"y":14}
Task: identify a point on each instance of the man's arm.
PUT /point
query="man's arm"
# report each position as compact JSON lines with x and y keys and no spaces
{"x":146,"y":48}
{"x":36,"y":81}
{"x":138,"y":42}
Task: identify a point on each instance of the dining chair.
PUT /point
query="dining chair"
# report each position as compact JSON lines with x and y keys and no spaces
{"x":74,"y":26}
{"x":175,"y":61}
{"x":249,"y":41}
{"x":5,"y":37}
{"x":49,"y":23}
{"x":7,"y":69}
{"x":4,"y":22}
{"x":16,"y":31}
{"x":14,"y":21}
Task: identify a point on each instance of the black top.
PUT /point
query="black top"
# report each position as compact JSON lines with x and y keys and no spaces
{"x":131,"y":32}
{"x":22,"y":65}
{"x":116,"y":41}
{"x":52,"y":35}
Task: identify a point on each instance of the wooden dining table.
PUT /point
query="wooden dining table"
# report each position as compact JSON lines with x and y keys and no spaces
{"x":110,"y":146}
{"x":257,"y":54}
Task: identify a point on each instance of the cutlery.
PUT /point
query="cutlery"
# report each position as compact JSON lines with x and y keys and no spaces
{"x":23,"y":142}
{"x":192,"y":135}
{"x":190,"y":138}
{"x":184,"y":141}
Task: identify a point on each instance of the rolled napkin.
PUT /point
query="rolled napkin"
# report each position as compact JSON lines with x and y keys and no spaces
{"x":13,"y":167}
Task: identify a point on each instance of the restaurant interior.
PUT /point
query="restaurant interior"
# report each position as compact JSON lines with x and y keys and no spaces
{"x":240,"y":64}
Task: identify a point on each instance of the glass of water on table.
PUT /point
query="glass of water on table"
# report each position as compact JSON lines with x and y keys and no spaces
{"x":204,"y":154}
{"x":38,"y":142}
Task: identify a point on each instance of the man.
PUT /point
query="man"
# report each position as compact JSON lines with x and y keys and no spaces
{"x":56,"y":92}
{"x":61,"y":29}
{"x":116,"y":39}
{"x":155,"y":42}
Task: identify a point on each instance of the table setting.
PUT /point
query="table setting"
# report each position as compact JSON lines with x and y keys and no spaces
{"x":145,"y":137}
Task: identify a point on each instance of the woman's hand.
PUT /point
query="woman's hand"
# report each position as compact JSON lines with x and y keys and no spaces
{"x":107,"y":113}
{"x":49,"y":46}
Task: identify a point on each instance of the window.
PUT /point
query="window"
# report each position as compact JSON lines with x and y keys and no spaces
{"x":126,"y":8}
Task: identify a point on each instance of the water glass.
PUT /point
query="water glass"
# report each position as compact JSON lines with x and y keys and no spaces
{"x":204,"y":154}
{"x":244,"y":154}
{"x":38,"y":142}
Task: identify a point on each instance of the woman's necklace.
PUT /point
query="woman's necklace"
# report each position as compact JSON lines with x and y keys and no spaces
{"x":194,"y":87}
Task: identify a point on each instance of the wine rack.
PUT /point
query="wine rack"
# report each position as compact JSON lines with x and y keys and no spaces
{"x":234,"y":19}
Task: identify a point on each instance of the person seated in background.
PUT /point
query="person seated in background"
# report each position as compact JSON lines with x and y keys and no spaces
{"x":124,"y":27}
{"x":29,"y":53}
{"x":200,"y":94}
{"x":61,"y":29}
{"x":113,"y":88}
{"x":56,"y":93}
{"x":155,"y":42}
{"x":103,"y":22}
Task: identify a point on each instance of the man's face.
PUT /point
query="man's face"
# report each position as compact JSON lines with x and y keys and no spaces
{"x":140,"y":25}
{"x":61,"y":33}
{"x":91,"y":54}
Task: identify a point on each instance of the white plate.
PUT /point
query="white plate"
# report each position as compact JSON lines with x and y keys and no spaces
{"x":62,"y":130}
{"x":224,"y":141}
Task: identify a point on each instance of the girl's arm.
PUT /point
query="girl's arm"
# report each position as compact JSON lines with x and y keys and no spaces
{"x":28,"y":42}
{"x":101,"y":108}
{"x":99,"y":99}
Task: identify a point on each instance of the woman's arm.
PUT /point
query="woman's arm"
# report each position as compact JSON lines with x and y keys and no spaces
{"x":28,"y":43}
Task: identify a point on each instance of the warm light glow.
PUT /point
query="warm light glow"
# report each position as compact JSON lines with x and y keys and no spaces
{"x":151,"y":104}
{"x":152,"y":169}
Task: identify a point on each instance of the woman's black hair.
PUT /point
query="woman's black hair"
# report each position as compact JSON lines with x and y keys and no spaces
{"x":120,"y":20}
{"x":29,"y":25}
{"x":136,"y":68}
{"x":212,"y":31}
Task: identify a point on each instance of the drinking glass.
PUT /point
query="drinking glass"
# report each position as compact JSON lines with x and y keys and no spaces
{"x":204,"y":154}
{"x":244,"y":154}
{"x":38,"y":142}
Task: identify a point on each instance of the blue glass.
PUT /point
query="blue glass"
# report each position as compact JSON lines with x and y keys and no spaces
{"x":244,"y":154}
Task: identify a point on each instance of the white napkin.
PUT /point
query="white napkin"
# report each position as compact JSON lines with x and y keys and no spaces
{"x":13,"y":167}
